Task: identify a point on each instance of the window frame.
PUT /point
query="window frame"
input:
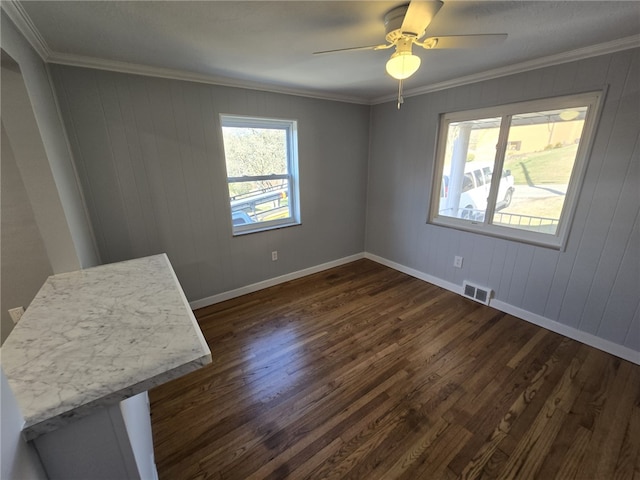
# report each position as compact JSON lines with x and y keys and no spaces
{"x":291,"y":129}
{"x":592,"y":100}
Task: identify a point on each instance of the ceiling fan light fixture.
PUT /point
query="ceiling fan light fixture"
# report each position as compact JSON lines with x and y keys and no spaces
{"x":402,"y":65}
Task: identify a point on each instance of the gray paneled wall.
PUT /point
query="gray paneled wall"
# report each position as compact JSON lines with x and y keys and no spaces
{"x":24,"y":265}
{"x":150,"y":160}
{"x":594,"y":285}
{"x":34,"y":127}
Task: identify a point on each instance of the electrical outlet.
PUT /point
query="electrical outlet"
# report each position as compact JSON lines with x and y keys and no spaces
{"x":16,"y":314}
{"x":274,"y":255}
{"x":457,"y":262}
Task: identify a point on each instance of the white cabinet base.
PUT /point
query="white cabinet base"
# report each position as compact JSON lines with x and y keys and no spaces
{"x":114,"y":442}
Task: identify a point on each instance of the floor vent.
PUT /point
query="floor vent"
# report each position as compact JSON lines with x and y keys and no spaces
{"x":479,"y":294}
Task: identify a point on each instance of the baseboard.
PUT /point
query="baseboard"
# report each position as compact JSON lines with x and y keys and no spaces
{"x":452,"y":287}
{"x":557,"y":327}
{"x":573,"y":333}
{"x":254,"y":287}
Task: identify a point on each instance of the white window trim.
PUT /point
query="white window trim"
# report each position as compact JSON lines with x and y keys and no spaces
{"x":593,"y":100}
{"x":291,"y":127}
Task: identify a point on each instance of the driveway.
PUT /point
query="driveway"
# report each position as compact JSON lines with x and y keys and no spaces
{"x":539,"y":191}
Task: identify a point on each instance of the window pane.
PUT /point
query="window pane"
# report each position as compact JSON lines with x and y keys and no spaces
{"x":255,"y":151}
{"x":542,"y":153}
{"x":259,"y":201}
{"x":262,"y":172}
{"x":540,"y":157}
{"x":469,"y":157}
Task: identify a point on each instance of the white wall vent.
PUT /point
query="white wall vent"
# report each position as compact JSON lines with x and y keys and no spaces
{"x":474,"y":292}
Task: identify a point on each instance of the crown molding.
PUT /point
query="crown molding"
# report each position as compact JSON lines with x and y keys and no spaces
{"x":137,"y":69}
{"x":25,"y":26}
{"x":174,"y":74}
{"x":579,"y":54}
{"x":21,"y":19}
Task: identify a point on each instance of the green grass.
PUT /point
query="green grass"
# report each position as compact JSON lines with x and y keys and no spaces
{"x":550,"y":166}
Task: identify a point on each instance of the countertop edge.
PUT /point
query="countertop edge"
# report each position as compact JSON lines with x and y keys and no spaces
{"x":194,"y":322}
{"x":33,"y":431}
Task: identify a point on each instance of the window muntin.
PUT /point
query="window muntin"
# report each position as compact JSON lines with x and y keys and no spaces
{"x":539,"y":149}
{"x":261,"y":162}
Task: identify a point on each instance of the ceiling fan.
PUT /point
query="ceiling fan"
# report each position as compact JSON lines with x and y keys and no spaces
{"x":405,"y":26}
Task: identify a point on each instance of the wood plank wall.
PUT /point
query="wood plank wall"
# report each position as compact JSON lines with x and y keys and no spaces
{"x":593,"y":286}
{"x":150,"y":159}
{"x":153,"y":177}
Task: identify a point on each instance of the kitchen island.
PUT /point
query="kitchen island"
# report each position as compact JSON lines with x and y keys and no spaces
{"x":84,"y":355}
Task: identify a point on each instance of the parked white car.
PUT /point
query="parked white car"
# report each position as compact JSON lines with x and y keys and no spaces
{"x":475,"y":191}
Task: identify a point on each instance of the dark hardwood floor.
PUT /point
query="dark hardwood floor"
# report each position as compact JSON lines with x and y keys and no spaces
{"x":363,"y":372}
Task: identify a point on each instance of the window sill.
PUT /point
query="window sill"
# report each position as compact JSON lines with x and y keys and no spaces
{"x":265,"y":228}
{"x":522,"y":236}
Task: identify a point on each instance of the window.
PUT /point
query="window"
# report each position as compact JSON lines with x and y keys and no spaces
{"x":514,"y":171}
{"x":262,"y":159}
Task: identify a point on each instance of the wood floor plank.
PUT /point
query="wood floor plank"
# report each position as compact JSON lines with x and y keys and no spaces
{"x":433,"y":461}
{"x":569,"y":442}
{"x":532,"y":448}
{"x":501,"y":417}
{"x":568,"y":469}
{"x":630,"y":450}
{"x":416,"y":450}
{"x":610,"y":426}
{"x":525,"y":350}
{"x":563,"y":357}
{"x":363,"y":372}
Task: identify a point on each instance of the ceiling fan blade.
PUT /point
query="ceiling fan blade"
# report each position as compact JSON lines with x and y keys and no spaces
{"x":419,"y":16}
{"x":367,"y":47}
{"x":464,"y":41}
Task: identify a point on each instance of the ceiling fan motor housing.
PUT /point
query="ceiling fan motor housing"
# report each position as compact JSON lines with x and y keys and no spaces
{"x":393,"y":23}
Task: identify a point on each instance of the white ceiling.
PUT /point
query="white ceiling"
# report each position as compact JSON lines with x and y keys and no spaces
{"x":270,"y":44}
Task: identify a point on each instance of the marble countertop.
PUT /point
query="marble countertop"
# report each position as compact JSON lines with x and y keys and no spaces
{"x":94,"y":337}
